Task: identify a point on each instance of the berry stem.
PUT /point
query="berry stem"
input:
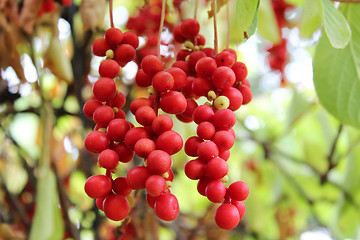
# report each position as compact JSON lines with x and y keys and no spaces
{"x":108,"y":172}
{"x":196,"y":8}
{"x":162,"y":20}
{"x":111,"y":13}
{"x":156,"y":104}
{"x":228,"y":25}
{"x":215,"y":29}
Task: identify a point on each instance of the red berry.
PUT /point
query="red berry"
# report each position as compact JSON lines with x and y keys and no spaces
{"x":135,"y":134}
{"x":150,"y":200}
{"x":190,"y":107}
{"x":240,"y":206}
{"x":240,"y":71}
{"x":125,"y":153}
{"x":207,"y":150}
{"x":246,"y":93}
{"x":109,"y":68}
{"x":137,"y":177}
{"x":90,"y":107}
{"x":238,"y":191}
{"x":108,"y":159}
{"x":118,"y":101}
{"x":162,"y":123}
{"x":205,"y":67}
{"x":173,"y":102}
{"x":194,"y":57}
{"x":223,"y":77}
{"x":151,"y":65}
{"x":155,"y":185}
{"x":145,"y":115}
{"x":178,"y":36}
{"x":103,"y":115}
{"x":139,"y":102}
{"x":104,"y":89}
{"x":235,"y":97}
{"x":224,"y":140}
{"x":202,"y":184}
{"x":225,"y":58}
{"x":116,"y":207}
{"x":179,"y":76}
{"x":227,"y":216}
{"x":99,"y":203}
{"x":215,"y":191}
{"x":124,"y":53}
{"x":183,"y":66}
{"x":224,"y":119}
{"x":96,"y":142}
{"x":216,"y":168}
{"x":203,"y":113}
{"x":182,"y":54}
{"x":117,"y":129}
{"x":167,"y":207}
{"x":121,"y":187}
{"x":99,"y":47}
{"x":209,"y":52}
{"x":142,"y":79}
{"x":158,"y":162}
{"x":162,"y":81}
{"x":191,"y":146}
{"x":195,"y":169}
{"x":113,"y":36}
{"x":190,"y":28}
{"x":170,"y":142}
{"x":144,"y":147}
{"x":201,"y":86}
{"x":98,"y":186}
{"x":131,"y":39}
{"x":205,"y":130}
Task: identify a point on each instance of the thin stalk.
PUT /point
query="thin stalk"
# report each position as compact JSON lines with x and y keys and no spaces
{"x":196,"y":8}
{"x":228,"y":25}
{"x":111,"y":13}
{"x":215,"y":29}
{"x":161,"y":26}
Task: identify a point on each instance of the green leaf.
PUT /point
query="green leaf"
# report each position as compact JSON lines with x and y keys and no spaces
{"x":336,"y":27}
{"x":311,"y":19}
{"x":47,"y":223}
{"x":246,"y":11}
{"x":337,"y":73}
{"x":267,"y":25}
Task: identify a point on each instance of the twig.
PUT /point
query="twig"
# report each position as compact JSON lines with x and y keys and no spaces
{"x":16,"y":204}
{"x":64,"y":202}
{"x":162,"y":20}
{"x":330,"y":157}
{"x":228,"y":25}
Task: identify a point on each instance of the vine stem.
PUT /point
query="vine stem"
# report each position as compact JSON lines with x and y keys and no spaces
{"x":111,"y":13}
{"x":215,"y":29}
{"x":228,"y":25}
{"x":162,"y":20}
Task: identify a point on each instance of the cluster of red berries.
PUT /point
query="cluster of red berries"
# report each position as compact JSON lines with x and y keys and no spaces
{"x":222,"y":80}
{"x":278,"y":56}
{"x":48,"y":6}
{"x":117,"y":140}
{"x":197,"y":72}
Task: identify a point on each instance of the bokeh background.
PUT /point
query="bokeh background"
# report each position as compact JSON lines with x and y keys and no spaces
{"x":300,"y":163}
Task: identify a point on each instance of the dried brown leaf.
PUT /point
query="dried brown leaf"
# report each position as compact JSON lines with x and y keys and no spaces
{"x":29,"y":14}
{"x":7,"y":233}
{"x":9,"y":38}
{"x":219,"y":5}
{"x":92,"y":13}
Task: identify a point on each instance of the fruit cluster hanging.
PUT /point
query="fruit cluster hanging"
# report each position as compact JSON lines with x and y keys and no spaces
{"x":197,"y":72}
